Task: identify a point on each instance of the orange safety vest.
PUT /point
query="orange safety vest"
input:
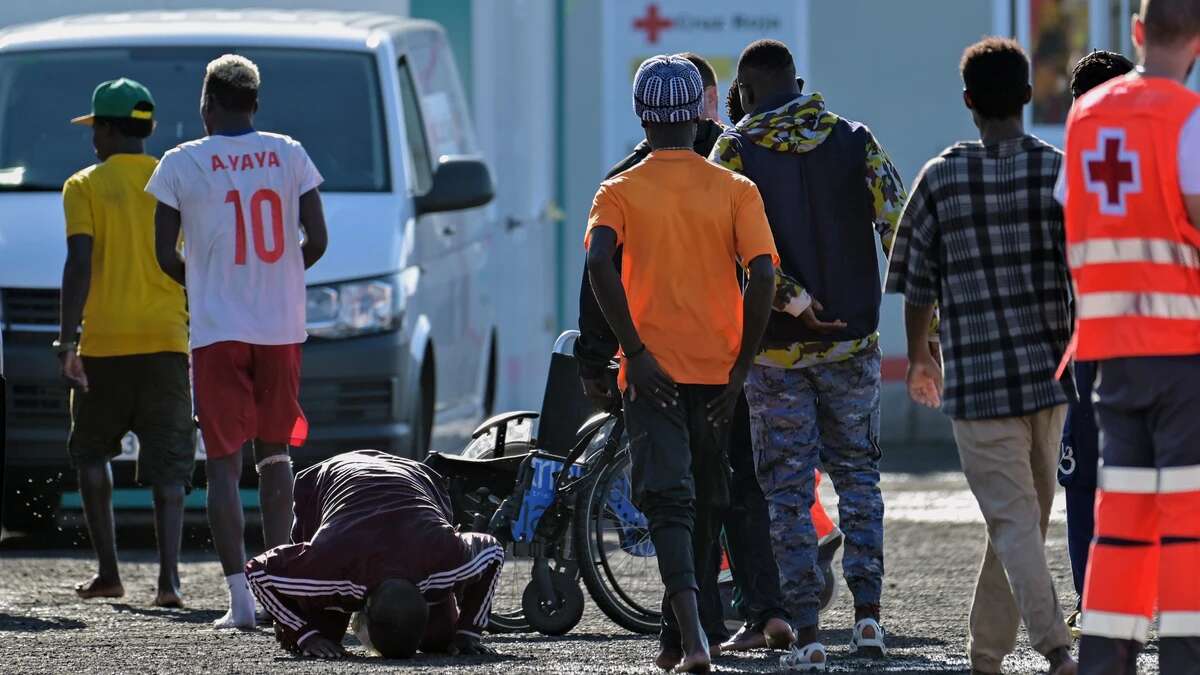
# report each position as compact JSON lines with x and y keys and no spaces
{"x":1133,"y":253}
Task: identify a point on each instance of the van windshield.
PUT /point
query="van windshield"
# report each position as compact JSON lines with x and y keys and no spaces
{"x":327,"y":100}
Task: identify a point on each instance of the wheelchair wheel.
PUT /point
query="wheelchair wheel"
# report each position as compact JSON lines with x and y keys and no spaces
{"x":554,"y":618}
{"x":508,"y":615}
{"x":616,"y":558}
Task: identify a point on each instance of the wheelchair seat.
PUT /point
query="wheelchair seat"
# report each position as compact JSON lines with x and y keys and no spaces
{"x":457,"y":466}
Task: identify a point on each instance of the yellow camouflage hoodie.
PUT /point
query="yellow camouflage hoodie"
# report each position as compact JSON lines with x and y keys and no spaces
{"x":799,"y":126}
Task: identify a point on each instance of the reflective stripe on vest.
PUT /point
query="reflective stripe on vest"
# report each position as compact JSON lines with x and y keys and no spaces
{"x":1149,"y":480}
{"x":1129,"y":480}
{"x":1149,"y":305}
{"x":1115,"y":251}
{"x":1179,"y":479}
{"x":1116,"y":626}
{"x":1179,"y":624}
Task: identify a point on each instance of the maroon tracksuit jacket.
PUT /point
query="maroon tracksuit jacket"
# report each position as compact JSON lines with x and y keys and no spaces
{"x":363,"y":517}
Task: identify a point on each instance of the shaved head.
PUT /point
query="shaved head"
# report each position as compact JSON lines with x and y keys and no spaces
{"x":1170,"y":22}
{"x":396,"y":618}
{"x":767,"y":59}
{"x":765,"y":70}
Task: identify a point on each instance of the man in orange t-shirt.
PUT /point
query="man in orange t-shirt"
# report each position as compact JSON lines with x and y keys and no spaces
{"x":687,"y":337}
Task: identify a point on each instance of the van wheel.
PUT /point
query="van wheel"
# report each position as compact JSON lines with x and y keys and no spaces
{"x":421,"y":417}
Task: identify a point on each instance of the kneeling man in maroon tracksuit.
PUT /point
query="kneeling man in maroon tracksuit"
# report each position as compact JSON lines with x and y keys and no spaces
{"x":373,"y":536}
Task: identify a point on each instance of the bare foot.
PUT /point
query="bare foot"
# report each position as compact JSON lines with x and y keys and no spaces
{"x":698,"y":662}
{"x":169,"y":598}
{"x":744,"y":640}
{"x":778,"y":634}
{"x":668,"y":658}
{"x":99,"y":588}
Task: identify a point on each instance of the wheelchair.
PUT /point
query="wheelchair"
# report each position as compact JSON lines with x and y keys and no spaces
{"x":554,"y":487}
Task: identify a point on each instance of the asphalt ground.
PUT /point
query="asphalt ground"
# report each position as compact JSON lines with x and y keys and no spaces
{"x":934,"y":541}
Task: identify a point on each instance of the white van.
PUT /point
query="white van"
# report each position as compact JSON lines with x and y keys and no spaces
{"x":401,"y":349}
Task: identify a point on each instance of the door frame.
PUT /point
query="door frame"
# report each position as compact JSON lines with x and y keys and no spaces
{"x":1014,"y":18}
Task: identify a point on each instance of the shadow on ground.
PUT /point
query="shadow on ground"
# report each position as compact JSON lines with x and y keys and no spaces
{"x":11,"y":623}
{"x":195,"y":616}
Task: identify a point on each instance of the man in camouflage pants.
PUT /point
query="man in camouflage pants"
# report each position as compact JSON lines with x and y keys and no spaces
{"x":814,"y":390}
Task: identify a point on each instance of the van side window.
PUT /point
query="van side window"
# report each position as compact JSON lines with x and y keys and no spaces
{"x":443,"y":106}
{"x":414,"y":131}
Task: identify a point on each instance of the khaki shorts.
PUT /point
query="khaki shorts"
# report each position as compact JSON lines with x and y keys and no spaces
{"x":148,"y":394}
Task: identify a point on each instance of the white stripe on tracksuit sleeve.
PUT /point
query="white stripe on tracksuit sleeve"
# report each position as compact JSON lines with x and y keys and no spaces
{"x":477,"y":577}
{"x":283,"y":581}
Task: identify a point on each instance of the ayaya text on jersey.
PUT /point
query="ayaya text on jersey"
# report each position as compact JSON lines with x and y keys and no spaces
{"x":250,"y":160}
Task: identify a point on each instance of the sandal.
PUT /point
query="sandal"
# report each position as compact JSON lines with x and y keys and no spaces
{"x":809,"y":658}
{"x":868,"y":639}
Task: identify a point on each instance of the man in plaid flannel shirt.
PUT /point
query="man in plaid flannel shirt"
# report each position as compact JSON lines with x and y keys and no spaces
{"x":982,"y":236}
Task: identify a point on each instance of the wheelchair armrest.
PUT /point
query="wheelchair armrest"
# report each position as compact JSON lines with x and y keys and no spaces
{"x":502,"y":419}
{"x":593,"y":423}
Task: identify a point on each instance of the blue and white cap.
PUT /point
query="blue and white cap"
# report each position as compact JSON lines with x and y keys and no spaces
{"x":667,"y":89}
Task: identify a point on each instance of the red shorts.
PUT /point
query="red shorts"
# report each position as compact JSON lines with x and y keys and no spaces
{"x":246,"y":392}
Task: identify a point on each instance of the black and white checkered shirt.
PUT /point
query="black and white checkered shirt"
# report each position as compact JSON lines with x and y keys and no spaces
{"x":982,"y":235}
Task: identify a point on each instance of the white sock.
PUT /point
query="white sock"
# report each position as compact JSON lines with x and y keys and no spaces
{"x":241,"y":604}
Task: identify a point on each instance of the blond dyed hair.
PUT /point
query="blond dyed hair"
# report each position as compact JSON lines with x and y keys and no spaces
{"x":233,"y":70}
{"x":233,"y":81}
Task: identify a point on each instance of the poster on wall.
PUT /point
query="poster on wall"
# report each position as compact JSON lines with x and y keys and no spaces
{"x":715,"y":29}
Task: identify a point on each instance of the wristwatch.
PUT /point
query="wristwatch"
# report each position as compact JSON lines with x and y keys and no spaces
{"x":61,"y":347}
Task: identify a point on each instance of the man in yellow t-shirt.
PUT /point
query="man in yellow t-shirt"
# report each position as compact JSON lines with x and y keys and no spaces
{"x":129,"y":367}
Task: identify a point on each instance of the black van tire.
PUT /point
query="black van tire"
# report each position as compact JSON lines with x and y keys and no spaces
{"x":420,"y":416}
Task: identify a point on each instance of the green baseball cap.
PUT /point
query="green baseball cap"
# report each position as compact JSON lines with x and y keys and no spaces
{"x":119,"y":98}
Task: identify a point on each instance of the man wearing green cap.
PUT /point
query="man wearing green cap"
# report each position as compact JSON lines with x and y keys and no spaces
{"x":128,"y":368}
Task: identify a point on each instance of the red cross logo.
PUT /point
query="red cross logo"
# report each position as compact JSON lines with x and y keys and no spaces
{"x":653,"y":24}
{"x":1111,"y":171}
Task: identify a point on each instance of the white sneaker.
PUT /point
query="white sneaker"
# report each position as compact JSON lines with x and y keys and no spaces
{"x":868,"y":639}
{"x":809,"y":658}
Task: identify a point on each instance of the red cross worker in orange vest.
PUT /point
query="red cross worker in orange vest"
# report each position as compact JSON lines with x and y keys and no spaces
{"x":1132,"y":211}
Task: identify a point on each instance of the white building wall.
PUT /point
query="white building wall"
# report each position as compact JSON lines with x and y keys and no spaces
{"x":894,"y":66}
{"x":584,"y":151}
{"x":514,"y":111}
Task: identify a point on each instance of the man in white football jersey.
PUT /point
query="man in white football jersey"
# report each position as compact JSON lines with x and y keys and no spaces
{"x":241,"y":197}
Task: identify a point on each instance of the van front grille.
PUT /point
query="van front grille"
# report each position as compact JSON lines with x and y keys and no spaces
{"x":38,"y":405}
{"x":344,"y":402}
{"x":30,"y":309}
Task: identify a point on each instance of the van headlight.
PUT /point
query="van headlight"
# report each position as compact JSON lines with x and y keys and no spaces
{"x":354,"y":308}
